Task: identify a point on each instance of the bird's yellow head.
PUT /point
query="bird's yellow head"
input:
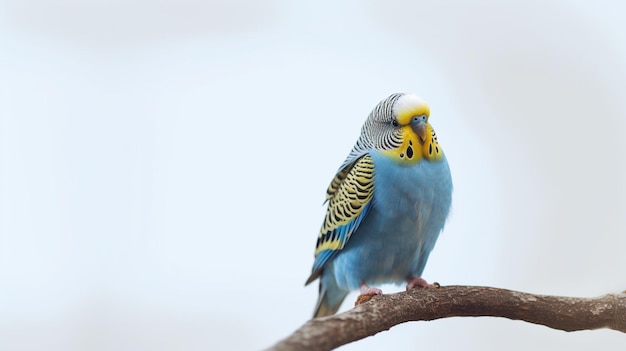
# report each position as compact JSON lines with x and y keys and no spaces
{"x":398,"y":127}
{"x":414,"y":137}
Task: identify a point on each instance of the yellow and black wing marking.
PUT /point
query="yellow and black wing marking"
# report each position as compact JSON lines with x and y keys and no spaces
{"x":349,"y":197}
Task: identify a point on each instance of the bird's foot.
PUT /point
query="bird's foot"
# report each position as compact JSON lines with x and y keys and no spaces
{"x":419,"y":282}
{"x":366,"y":290}
{"x":366,"y":294}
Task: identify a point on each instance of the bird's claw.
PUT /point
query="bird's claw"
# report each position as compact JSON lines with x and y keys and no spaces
{"x":366,"y":294}
{"x":419,"y":282}
{"x":366,"y":290}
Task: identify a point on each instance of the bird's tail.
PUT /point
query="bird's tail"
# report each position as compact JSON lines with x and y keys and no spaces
{"x":329,"y":300}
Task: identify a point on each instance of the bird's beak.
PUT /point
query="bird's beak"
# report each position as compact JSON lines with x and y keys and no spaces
{"x":419,"y":127}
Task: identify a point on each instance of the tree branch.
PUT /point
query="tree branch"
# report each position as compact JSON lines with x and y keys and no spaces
{"x":384,"y":311}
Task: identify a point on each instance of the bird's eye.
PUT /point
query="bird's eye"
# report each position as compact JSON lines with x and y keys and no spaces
{"x":395,"y":123}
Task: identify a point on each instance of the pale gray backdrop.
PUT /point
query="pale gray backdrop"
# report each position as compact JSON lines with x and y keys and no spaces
{"x":163,"y":163}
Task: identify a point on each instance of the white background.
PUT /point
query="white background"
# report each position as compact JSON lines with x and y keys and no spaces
{"x":163,"y":163}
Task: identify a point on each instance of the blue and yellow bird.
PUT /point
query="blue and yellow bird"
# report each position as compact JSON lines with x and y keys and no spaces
{"x":386,"y":205}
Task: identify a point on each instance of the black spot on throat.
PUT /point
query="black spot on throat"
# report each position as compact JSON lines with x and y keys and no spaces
{"x":409,"y":152}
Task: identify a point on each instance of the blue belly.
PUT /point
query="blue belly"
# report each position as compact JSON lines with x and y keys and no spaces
{"x":409,"y":210}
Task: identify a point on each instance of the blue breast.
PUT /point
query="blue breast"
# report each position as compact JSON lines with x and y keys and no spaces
{"x":409,"y":209}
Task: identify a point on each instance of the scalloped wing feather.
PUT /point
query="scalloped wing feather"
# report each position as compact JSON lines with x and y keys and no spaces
{"x":349,"y":197}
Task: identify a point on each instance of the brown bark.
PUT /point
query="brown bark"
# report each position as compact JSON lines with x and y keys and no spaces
{"x":385,"y":311}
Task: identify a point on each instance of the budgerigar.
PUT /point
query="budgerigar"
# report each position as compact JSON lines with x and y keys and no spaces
{"x":386,"y":205}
